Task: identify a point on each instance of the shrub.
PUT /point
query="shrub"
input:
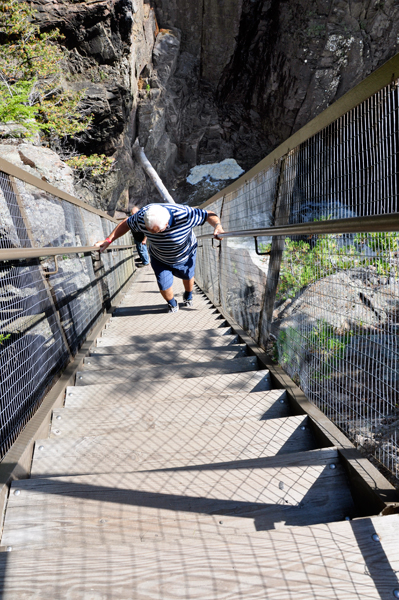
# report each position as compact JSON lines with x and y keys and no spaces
{"x":302,"y":264}
{"x":31,"y":90}
{"x":96,"y":164}
{"x":4,"y":337}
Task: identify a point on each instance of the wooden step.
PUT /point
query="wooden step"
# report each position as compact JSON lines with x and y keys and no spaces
{"x":338,"y":561}
{"x":184,"y":339}
{"x":167,"y":390}
{"x":172,"y":323}
{"x":268,"y":437}
{"x":144,"y":344}
{"x":194,"y":412}
{"x":167,"y":356}
{"x":128,"y":448}
{"x":179,"y":371}
{"x":189,"y":318}
{"x":290,"y":490}
{"x":160,"y":315}
{"x":205,"y":410}
{"x":155,"y":305}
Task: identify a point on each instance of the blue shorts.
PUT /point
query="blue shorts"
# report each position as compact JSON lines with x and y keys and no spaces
{"x":164,"y":273}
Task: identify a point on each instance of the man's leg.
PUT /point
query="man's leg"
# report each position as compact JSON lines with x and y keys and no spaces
{"x":188,"y":284}
{"x":165,"y":283}
{"x":188,"y":293}
{"x":143,"y":252}
{"x":188,"y":280}
{"x":167,"y":294}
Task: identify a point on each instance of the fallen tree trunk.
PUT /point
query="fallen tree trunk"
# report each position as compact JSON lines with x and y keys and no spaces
{"x":143,"y":161}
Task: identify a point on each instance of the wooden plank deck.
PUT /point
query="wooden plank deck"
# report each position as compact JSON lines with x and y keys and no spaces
{"x":174,"y":371}
{"x":174,"y":471}
{"x":118,"y":451}
{"x":128,"y":419}
{"x":338,"y":561}
{"x":300,"y":491}
{"x":170,"y":389}
{"x":165,"y":356}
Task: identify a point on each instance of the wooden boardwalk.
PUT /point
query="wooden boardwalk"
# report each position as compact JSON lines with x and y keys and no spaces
{"x":174,"y":471}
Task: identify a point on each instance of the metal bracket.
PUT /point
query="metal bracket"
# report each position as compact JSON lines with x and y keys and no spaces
{"x":48,"y":273}
{"x":258,"y":252}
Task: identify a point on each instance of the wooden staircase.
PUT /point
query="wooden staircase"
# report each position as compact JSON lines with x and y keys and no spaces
{"x":174,"y":471}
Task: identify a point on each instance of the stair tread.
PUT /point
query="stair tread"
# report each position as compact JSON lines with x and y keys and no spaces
{"x":183,"y":338}
{"x":160,"y":314}
{"x":298,"y":490}
{"x":148,"y":307}
{"x":206,"y":407}
{"x":228,"y":343}
{"x":169,"y":389}
{"x":338,"y":561}
{"x":98,"y":449}
{"x":203,"y":436}
{"x":168,"y":356}
{"x":183,"y":318}
{"x":167,"y":372}
{"x":171,"y":324}
{"x":191,"y":412}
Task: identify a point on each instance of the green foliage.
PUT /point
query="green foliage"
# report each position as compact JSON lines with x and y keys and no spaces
{"x":383,"y":244}
{"x":4,"y":337}
{"x":303,"y":265}
{"x":316,"y":30}
{"x":380,"y":242}
{"x":324,"y":342}
{"x":289,"y":342}
{"x":265,"y":248}
{"x":96,"y":164}
{"x":16,"y":108}
{"x":31,"y":76}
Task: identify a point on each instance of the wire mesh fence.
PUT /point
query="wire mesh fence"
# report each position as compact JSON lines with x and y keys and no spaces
{"x":48,"y":305}
{"x":330,"y":302}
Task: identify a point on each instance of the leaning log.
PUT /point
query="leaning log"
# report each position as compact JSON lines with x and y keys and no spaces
{"x":143,"y":161}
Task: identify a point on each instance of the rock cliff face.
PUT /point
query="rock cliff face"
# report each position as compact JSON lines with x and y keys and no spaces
{"x":109,"y":44}
{"x":273,"y":65}
{"x":221,"y":79}
{"x":293,"y":59}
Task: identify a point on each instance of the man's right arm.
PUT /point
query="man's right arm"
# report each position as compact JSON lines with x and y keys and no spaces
{"x":118,"y":232}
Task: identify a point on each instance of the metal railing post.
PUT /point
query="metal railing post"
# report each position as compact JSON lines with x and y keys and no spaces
{"x":220,"y":261}
{"x":99,"y":270}
{"x":284,"y":189}
{"x":46,"y":284}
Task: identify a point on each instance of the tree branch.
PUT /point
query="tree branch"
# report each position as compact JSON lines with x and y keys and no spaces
{"x":143,"y":161}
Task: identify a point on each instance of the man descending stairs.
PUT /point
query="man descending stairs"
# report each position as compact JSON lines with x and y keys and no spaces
{"x":175,"y":471}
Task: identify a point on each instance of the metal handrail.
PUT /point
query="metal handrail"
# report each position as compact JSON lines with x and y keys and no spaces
{"x":369,"y":224}
{"x":26,"y":177}
{"x":26,"y":253}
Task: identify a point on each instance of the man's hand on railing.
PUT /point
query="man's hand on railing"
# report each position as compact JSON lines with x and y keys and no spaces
{"x":218,"y":229}
{"x":103,"y":245}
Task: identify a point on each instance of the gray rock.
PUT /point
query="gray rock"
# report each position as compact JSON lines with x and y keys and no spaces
{"x":166,"y":53}
{"x":41,"y":162}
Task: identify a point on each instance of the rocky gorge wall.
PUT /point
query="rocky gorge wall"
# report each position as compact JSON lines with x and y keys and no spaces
{"x":203,"y":81}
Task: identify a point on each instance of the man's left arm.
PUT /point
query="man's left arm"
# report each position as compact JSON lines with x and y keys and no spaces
{"x":214,"y":221}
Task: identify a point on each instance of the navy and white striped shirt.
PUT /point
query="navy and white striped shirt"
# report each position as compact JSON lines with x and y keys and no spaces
{"x":177,"y":242}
